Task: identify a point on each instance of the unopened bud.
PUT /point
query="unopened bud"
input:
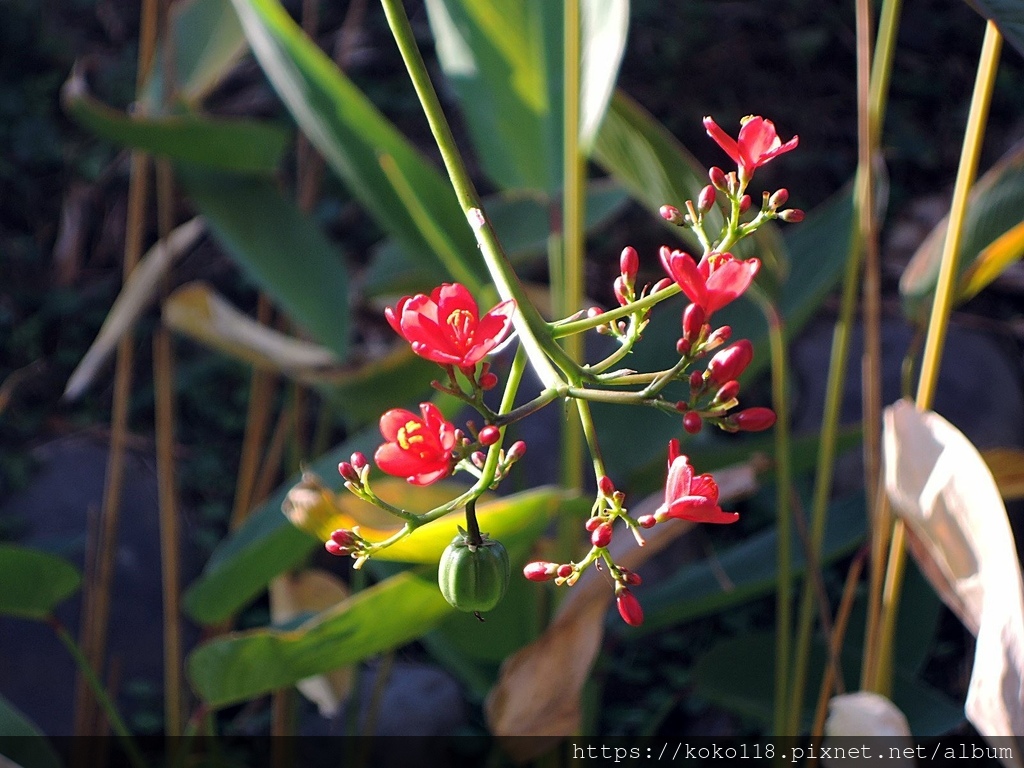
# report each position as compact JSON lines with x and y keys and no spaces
{"x":682,"y":406}
{"x":754,"y":419}
{"x":717,"y":177}
{"x":517,"y":451}
{"x":692,"y":422}
{"x":683,"y":346}
{"x":540,"y":571}
{"x":565,"y":571}
{"x":592,"y":523}
{"x":488,"y":381}
{"x":594,"y":312}
{"x":792,"y":215}
{"x":696,"y":382}
{"x":349,"y":473}
{"x":717,"y":338}
{"x":729,"y":391}
{"x":646,"y":521}
{"x":629,"y":263}
{"x":358,"y":461}
{"x":730,"y":362}
{"x":706,"y":199}
{"x":336,"y":549}
{"x":693,"y":321}
{"x":744,"y":203}
{"x":671,"y":214}
{"x":343,"y":538}
{"x":621,"y":290}
{"x":629,"y":607}
{"x":629,"y":577}
{"x":662,"y":284}
{"x":489,"y":435}
{"x":606,"y":486}
{"x":602,"y":535}
{"x":778,"y":199}
{"x":478,"y":458}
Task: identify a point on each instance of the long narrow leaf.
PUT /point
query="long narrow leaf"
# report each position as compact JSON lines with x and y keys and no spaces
{"x":353,"y":136}
{"x":281,"y":249}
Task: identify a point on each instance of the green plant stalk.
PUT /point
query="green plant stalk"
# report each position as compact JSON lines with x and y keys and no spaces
{"x":131,"y":749}
{"x":783,"y":489}
{"x":532,"y":330}
{"x":938,"y":320}
{"x":567,"y":291}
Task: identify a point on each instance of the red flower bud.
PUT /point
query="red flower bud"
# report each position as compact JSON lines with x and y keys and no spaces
{"x":629,"y":607}
{"x":717,"y":338}
{"x":754,"y":419}
{"x":606,"y":486}
{"x":631,"y":578}
{"x":478,"y":458}
{"x":595,"y":312}
{"x":646,"y":521}
{"x":717,"y":177}
{"x":488,"y":381}
{"x":662,"y":284}
{"x":744,"y":203}
{"x":629,"y":263}
{"x":343,"y":538}
{"x":693,"y":321}
{"x":729,"y":391}
{"x":696,"y":382}
{"x":348,"y":473}
{"x":517,"y":451}
{"x":778,"y":199}
{"x":565,"y":570}
{"x":336,"y":549}
{"x":602,"y":535}
{"x":592,"y":523}
{"x":706,"y":199}
{"x":692,"y":422}
{"x":682,"y":406}
{"x":683,"y":346}
{"x":792,"y":215}
{"x":730,"y":362}
{"x":620,"y":290}
{"x":489,"y":435}
{"x":540,"y":571}
{"x":671,"y":214}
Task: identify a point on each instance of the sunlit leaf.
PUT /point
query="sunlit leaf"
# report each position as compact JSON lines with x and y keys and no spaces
{"x":238,"y":145}
{"x":139,"y":290}
{"x":992,"y":237}
{"x":34,"y":582}
{"x":197,"y":311}
{"x":283,"y":250}
{"x":353,"y":136}
{"x":939,"y":485}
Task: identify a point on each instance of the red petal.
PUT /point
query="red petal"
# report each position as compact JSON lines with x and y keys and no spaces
{"x":394,"y":420}
{"x":730,"y":281}
{"x":684,"y":271}
{"x":427,"y":478}
{"x":705,"y":485}
{"x":454,"y":296}
{"x":757,"y":136}
{"x":392,"y":459}
{"x":680,"y":475}
{"x":724,"y":140}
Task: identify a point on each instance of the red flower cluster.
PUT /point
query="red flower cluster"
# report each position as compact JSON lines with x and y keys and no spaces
{"x":716,"y":280}
{"x":418,"y":448}
{"x":445,"y":326}
{"x":758,"y":143}
{"x":690,"y":497}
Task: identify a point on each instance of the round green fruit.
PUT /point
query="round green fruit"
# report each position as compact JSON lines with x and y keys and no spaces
{"x":473,"y":578}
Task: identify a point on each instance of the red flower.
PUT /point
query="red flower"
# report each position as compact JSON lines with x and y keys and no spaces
{"x":714,"y":282}
{"x":446,"y":327}
{"x":758,"y":143}
{"x":418,"y":449}
{"x":688,"y":497}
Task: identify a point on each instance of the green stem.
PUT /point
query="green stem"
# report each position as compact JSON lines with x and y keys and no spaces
{"x":585,"y":324}
{"x":589,"y":431}
{"x":783,"y":492}
{"x":131,"y":749}
{"x":532,"y":330}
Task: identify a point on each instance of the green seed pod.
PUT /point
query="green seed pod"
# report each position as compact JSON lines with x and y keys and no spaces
{"x":473,"y":578}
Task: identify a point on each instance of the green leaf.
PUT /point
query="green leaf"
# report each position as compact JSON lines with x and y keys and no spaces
{"x":34,"y":582}
{"x":356,"y":140}
{"x":741,"y":573}
{"x":242,"y":146}
{"x":657,"y":170}
{"x":992,"y":238}
{"x":1008,"y":16}
{"x":734,"y":675}
{"x":283,"y":250}
{"x":22,"y":742}
{"x":208,"y":41}
{"x":243,"y":665}
{"x":504,"y":59}
{"x":389,"y":614}
{"x":522,"y":222}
